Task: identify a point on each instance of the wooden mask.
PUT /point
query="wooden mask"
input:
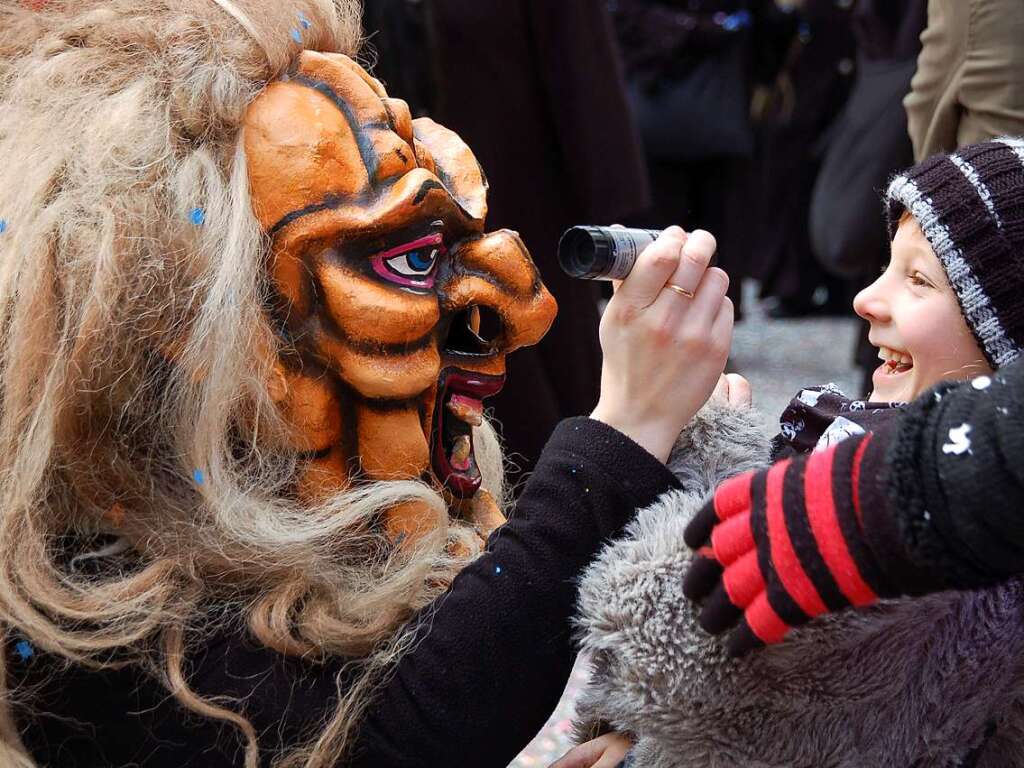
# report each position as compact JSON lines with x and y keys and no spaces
{"x":395,"y":308}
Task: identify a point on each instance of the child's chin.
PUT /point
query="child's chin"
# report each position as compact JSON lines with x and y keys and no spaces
{"x":893,"y":388}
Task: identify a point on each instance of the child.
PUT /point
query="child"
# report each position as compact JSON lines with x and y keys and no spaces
{"x":932,"y":682}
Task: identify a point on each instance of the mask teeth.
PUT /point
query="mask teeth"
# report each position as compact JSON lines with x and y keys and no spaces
{"x":465,"y":409}
{"x":460,"y":452}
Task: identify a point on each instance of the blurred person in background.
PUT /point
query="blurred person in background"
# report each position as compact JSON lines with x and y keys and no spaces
{"x":793,"y":118}
{"x":868,"y":143}
{"x":536,"y":87}
{"x":969,"y":84}
{"x":691,"y":66}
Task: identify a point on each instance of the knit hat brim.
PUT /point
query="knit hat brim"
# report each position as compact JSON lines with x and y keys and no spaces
{"x":941,"y":194}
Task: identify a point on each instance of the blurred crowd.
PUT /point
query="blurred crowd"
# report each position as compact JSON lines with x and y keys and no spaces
{"x":772,"y":123}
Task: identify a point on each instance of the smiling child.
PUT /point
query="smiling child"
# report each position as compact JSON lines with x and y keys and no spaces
{"x":937,"y":681}
{"x":916,"y":322}
{"x":950,"y":303}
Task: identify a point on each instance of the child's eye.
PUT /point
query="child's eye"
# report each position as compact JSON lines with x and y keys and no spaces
{"x":920,"y":280}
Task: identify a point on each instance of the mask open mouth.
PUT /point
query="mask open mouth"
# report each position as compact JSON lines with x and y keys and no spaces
{"x":459,"y":408}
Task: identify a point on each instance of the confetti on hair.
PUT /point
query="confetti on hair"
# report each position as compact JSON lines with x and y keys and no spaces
{"x":24,"y":650}
{"x":3,"y":226}
{"x":306,"y":23}
{"x":297,"y":36}
{"x":198,"y":476}
{"x":497,"y":570}
{"x":197,"y":216}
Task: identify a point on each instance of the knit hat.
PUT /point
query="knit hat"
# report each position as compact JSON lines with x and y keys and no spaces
{"x":970,"y":206}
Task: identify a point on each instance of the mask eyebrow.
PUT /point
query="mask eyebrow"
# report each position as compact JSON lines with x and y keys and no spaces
{"x":330,"y":202}
{"x":363,"y":139}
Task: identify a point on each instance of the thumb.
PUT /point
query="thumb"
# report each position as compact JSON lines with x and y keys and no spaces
{"x":582,"y":756}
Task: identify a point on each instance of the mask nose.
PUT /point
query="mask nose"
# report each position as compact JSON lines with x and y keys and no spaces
{"x":495,"y":297}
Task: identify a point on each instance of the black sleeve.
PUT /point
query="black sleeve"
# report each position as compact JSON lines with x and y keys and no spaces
{"x":497,"y":651}
{"x":956,"y":479}
{"x":491,"y":660}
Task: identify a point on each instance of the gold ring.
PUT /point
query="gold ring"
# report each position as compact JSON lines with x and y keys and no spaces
{"x":680,"y":290}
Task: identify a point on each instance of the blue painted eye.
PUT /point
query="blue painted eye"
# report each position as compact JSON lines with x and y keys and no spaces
{"x":416,"y":263}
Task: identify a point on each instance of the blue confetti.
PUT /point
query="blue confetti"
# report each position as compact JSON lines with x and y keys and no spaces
{"x":3,"y":226}
{"x":25,"y":650}
{"x":297,"y":36}
{"x":738,"y":20}
{"x":197,"y":216}
{"x":306,"y":24}
{"x":198,"y":476}
{"x":497,"y":570}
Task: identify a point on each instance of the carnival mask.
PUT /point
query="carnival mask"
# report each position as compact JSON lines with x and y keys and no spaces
{"x":395,"y":309}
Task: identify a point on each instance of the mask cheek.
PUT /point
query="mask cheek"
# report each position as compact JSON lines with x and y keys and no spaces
{"x":392,"y":443}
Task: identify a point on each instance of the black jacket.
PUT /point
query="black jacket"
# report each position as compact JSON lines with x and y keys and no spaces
{"x":494,"y":655}
{"x":955,"y":485}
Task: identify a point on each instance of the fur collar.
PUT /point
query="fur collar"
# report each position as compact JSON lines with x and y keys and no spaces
{"x":907,"y":683}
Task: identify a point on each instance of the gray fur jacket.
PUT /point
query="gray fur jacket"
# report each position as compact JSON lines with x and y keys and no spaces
{"x":937,"y":681}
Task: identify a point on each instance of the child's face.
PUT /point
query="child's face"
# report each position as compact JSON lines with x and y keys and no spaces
{"x":915,"y":322}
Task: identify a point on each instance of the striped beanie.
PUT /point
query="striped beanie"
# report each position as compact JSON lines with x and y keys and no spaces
{"x":970,"y":206}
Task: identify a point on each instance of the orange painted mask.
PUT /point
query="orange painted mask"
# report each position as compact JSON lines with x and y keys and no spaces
{"x":395,"y":309}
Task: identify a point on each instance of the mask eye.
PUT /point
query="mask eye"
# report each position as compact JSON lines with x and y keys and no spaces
{"x":414,"y":263}
{"x":410,"y":265}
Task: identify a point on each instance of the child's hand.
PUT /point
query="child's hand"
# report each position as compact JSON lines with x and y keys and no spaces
{"x":733,"y":390}
{"x":608,"y":751}
{"x":663,"y":350}
{"x":755,"y":538}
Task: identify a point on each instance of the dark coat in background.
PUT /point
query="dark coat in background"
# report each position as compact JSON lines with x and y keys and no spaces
{"x":535,"y":88}
{"x":868,"y":144}
{"x":708,"y":54}
{"x":792,"y":121}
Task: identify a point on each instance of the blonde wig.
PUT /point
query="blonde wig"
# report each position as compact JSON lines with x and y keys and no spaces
{"x":139,"y":478}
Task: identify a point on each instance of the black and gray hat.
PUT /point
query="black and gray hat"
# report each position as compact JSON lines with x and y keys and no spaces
{"x":970,"y":206}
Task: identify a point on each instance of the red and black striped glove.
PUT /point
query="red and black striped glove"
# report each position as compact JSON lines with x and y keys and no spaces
{"x":809,"y":535}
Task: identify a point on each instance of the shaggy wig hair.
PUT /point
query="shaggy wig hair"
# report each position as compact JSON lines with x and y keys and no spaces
{"x":141,"y":478}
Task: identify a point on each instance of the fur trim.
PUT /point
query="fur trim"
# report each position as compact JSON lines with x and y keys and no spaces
{"x":718,"y":443}
{"x":904,"y":683}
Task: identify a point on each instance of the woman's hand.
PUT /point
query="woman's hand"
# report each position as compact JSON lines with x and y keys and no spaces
{"x":608,"y":751}
{"x":664,"y":351}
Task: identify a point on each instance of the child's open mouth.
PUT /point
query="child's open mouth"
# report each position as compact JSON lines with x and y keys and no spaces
{"x":894,"y":362}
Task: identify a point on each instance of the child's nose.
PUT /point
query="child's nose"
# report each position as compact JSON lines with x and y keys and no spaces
{"x":870,"y":303}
